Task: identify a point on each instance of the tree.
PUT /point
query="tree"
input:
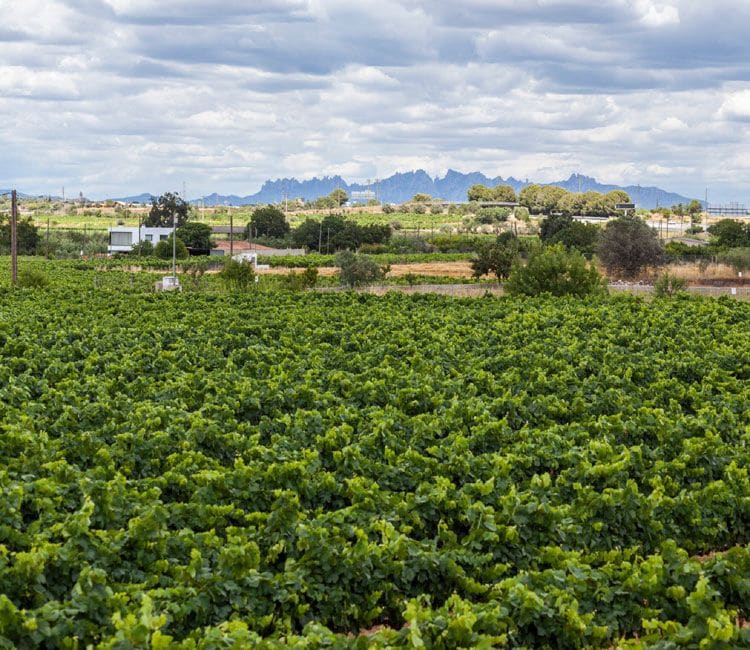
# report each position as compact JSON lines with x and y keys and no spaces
{"x":195,"y":235}
{"x":730,"y":233}
{"x":268,"y":221}
{"x":504,"y":193}
{"x":497,"y":257}
{"x":27,"y":236}
{"x":357,"y":270}
{"x":552,"y":224}
{"x":421,"y":198}
{"x":163,"y":250}
{"x":627,"y":245}
{"x":548,"y":197}
{"x":339,"y":197}
{"x":555,"y":271}
{"x":577,"y":235}
{"x":529,"y":198}
{"x":694,"y":208}
{"x":479,"y":193}
{"x":165,"y":209}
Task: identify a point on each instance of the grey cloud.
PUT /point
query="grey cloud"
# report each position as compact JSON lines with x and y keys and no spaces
{"x":122,"y":96}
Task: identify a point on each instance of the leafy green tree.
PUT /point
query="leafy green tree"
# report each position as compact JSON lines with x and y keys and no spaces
{"x":267,"y":221}
{"x":730,"y":233}
{"x":357,"y":270}
{"x":165,"y":209}
{"x":336,"y":233}
{"x":163,"y":250}
{"x":529,"y":197}
{"x":548,"y":197}
{"x":579,"y":236}
{"x":339,"y":197}
{"x":27,"y":236}
{"x":555,"y":271}
{"x":421,"y":198}
{"x":628,"y":245}
{"x":694,"y":209}
{"x":571,"y":204}
{"x":552,"y":224}
{"x":504,"y":193}
{"x":479,"y":193}
{"x":195,"y":235}
{"x":497,"y":257}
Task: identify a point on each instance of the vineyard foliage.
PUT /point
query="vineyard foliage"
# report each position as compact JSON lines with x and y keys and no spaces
{"x":344,"y":470}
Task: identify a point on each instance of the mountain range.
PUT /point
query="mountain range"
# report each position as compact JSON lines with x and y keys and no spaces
{"x":401,"y":187}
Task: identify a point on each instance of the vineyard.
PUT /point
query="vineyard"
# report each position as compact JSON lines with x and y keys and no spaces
{"x":343,"y":470}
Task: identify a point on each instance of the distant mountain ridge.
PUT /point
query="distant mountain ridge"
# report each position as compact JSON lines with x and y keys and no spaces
{"x":402,"y":186}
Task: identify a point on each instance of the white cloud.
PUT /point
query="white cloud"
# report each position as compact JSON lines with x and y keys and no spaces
{"x":109,"y":99}
{"x":655,"y":14}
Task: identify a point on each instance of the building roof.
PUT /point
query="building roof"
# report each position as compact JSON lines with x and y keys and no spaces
{"x":241,"y":245}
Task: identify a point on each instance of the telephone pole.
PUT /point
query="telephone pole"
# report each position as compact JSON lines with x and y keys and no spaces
{"x":13,"y":238}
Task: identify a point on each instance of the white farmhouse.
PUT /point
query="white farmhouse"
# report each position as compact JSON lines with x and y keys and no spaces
{"x":123,"y":238}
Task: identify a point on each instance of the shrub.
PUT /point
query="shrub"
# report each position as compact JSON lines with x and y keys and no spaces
{"x":32,"y":279}
{"x":668,"y":284}
{"x":555,"y":271}
{"x":300,"y":281}
{"x":144,"y":249}
{"x":737,"y":258}
{"x":357,"y":270}
{"x":388,"y":208}
{"x":163,"y":250}
{"x":238,"y":276}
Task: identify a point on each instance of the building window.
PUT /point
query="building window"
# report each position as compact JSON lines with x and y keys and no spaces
{"x":149,"y":238}
{"x":121,"y":239}
{"x":162,"y":237}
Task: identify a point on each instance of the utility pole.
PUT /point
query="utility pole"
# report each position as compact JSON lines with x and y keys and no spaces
{"x":13,"y":238}
{"x":174,"y":248}
{"x":231,"y":233}
{"x":705,"y":219}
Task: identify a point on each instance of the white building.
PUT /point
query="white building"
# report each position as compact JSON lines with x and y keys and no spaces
{"x":123,"y":238}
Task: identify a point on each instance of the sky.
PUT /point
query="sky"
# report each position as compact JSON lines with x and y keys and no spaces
{"x":118,"y":97}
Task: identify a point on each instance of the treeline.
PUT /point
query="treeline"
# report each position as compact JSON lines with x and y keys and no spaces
{"x":550,"y":199}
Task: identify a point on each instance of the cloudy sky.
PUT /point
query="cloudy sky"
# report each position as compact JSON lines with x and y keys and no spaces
{"x":115,"y":97}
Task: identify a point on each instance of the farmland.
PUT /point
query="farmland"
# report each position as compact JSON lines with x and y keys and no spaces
{"x":203,"y":470}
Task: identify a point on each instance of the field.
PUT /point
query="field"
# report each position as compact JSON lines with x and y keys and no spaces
{"x":344,"y":470}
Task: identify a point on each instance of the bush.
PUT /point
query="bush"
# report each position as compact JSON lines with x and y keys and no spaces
{"x":668,"y":284}
{"x":388,"y":208}
{"x":300,"y":281}
{"x":628,"y":245}
{"x":730,"y":233}
{"x":680,"y":250}
{"x":237,"y":276}
{"x":358,"y":270}
{"x":492,"y":215}
{"x":737,"y":258}
{"x":555,"y":271}
{"x":144,"y":249}
{"x":32,"y":279}
{"x":163,"y":250}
